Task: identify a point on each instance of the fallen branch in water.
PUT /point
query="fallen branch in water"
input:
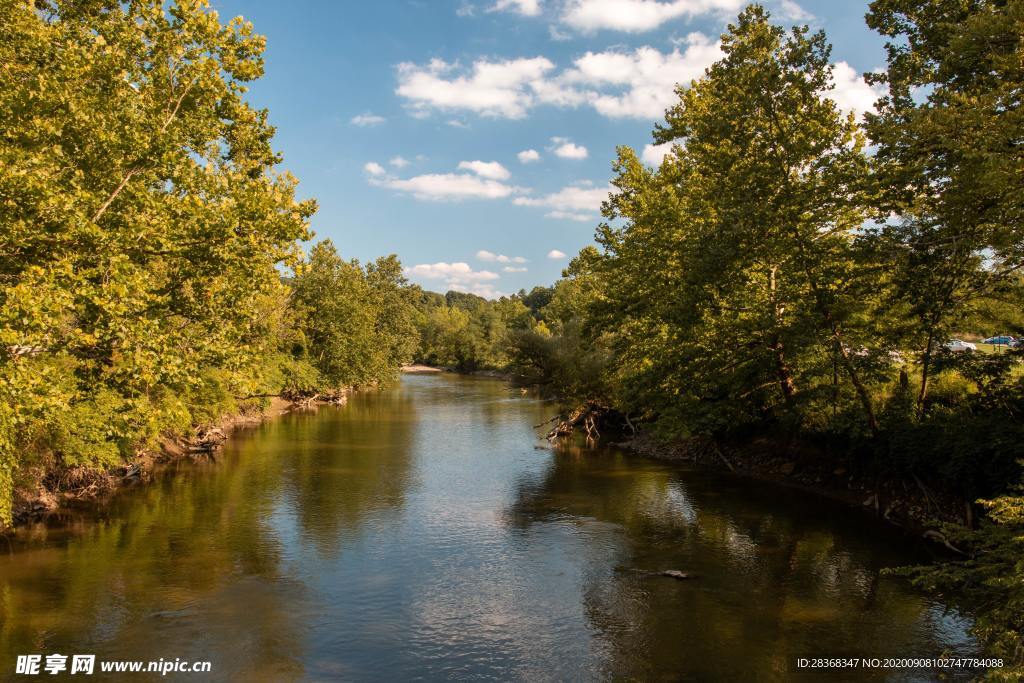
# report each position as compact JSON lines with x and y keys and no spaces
{"x":939,"y":537}
{"x":589,"y":417}
{"x":629,"y":424}
{"x":718,"y":451}
{"x":546,"y":422}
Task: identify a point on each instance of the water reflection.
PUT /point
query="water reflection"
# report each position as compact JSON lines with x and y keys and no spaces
{"x":779,"y":577}
{"x":423,"y":533}
{"x":179,"y":563}
{"x":343,"y":465}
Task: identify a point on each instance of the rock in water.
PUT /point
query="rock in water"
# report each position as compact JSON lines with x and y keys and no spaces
{"x":675,"y":574}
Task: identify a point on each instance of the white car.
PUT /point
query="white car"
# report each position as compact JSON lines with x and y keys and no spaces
{"x":956,"y":346}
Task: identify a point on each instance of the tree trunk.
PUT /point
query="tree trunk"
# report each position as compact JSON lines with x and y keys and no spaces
{"x":844,"y":353}
{"x":862,"y":392}
{"x":785,"y":375}
{"x":926,"y":361}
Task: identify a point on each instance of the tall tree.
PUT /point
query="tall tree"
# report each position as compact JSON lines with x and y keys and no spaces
{"x":353,"y":319}
{"x":142,"y":217}
{"x":950,"y":153}
{"x":751,"y":220}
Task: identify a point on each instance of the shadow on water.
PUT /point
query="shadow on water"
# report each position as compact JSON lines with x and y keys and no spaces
{"x":778,"y":575}
{"x":426,"y":532}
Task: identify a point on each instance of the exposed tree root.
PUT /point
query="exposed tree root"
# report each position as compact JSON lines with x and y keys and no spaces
{"x":591,"y":418}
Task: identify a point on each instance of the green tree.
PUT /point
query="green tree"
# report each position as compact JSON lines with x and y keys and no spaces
{"x":141,"y":225}
{"x":357,"y":323}
{"x":395,"y":325}
{"x":737,"y":265}
{"x":566,"y":353}
{"x":950,"y":153}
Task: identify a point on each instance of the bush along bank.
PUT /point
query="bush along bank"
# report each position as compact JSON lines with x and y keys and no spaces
{"x":60,"y":486}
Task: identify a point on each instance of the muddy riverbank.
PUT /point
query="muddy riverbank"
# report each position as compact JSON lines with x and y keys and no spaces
{"x":54,"y":488}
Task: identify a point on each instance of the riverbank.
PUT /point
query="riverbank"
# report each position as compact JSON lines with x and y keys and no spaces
{"x":910,"y":505}
{"x":416,"y":369}
{"x":54,"y":489}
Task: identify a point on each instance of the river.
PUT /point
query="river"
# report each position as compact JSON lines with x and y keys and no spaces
{"x":427,"y":532}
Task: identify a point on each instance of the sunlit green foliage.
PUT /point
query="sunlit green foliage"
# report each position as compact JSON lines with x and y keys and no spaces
{"x":144,"y":229}
{"x":467,"y":332}
{"x":949,"y":156}
{"x":357,"y":322}
{"x":564,"y":353}
{"x":735,"y":284}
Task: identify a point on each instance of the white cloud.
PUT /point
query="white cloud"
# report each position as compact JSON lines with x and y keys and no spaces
{"x":367,"y":119}
{"x":457,"y":276}
{"x":373,"y":168}
{"x":514,"y":269}
{"x":653,"y":155}
{"x":791,"y":11}
{"x":556,"y":254}
{"x":851,"y":92}
{"x":557,"y":35}
{"x":528,"y":8}
{"x":570,"y":216}
{"x":486,"y":169}
{"x":399,"y":162}
{"x":566,"y":149}
{"x":528,"y":155}
{"x":452,"y":273}
{"x":448,"y":186}
{"x":497,"y":89}
{"x":569,"y":200}
{"x":636,"y":16}
{"x":490,"y":256}
{"x":638,"y":84}
{"x":484,"y":289}
{"x":641,"y":83}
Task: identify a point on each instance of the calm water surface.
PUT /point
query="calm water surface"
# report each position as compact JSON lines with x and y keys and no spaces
{"x":426,"y":532}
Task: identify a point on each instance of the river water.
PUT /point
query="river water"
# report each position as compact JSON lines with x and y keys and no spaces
{"x":426,"y":532}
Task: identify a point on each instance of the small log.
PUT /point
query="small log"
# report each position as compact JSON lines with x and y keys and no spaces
{"x":939,"y":537}
{"x":718,"y":452}
{"x":669,"y":573}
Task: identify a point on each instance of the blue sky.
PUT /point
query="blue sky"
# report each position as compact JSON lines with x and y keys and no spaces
{"x":383,"y":107}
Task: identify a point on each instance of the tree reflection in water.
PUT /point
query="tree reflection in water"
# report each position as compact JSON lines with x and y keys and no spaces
{"x":778,"y":576}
